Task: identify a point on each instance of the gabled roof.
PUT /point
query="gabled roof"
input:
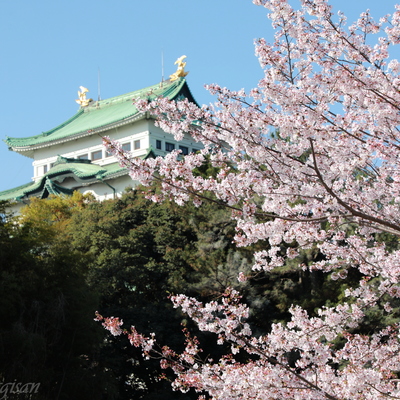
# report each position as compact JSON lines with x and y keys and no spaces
{"x":41,"y":189}
{"x":52,"y":188}
{"x":49,"y":183}
{"x":100,"y":116}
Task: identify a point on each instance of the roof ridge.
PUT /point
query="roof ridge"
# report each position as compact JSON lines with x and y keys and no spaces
{"x":127,"y":96}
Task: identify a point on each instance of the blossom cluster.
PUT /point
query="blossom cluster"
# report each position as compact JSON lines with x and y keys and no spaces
{"x":308,"y":159}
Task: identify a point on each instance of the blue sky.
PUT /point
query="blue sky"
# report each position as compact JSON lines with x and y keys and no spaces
{"x":48,"y":48}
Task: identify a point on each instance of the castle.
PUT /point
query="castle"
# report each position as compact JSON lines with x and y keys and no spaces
{"x":72,"y":157}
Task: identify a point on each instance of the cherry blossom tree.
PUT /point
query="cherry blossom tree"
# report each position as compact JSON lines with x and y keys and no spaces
{"x":308,"y":159}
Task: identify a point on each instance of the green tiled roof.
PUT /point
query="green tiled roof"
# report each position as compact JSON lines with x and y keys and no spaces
{"x":99,"y":116}
{"x":81,"y":170}
{"x":15,"y":193}
{"x":84,"y":172}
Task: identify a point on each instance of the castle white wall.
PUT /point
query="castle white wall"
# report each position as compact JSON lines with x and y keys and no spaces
{"x":141,"y":135}
{"x":90,"y":145}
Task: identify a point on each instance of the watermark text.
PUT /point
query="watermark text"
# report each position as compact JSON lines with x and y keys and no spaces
{"x":17,"y":388}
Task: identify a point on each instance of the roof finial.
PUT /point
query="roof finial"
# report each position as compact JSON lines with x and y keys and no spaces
{"x":180,"y":72}
{"x":83,"y":101}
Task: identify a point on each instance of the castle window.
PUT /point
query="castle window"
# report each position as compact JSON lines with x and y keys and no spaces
{"x":169,"y":146}
{"x":136,"y":144}
{"x":83,"y":157}
{"x":184,"y":149}
{"x":44,"y":169}
{"x":97,"y":155}
{"x":126,"y":146}
{"x":158,"y":144}
{"x":108,"y":153}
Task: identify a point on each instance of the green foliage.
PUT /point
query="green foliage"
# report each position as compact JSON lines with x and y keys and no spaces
{"x":65,"y":258}
{"x":139,"y":252}
{"x":48,"y":334}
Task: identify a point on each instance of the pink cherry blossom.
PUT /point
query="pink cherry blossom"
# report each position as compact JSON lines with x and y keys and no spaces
{"x":308,"y":159}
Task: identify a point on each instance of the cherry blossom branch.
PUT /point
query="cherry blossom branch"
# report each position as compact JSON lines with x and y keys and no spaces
{"x":287,"y":368}
{"x":356,"y":213}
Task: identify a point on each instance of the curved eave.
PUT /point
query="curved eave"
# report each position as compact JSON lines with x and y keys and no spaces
{"x":28,"y":151}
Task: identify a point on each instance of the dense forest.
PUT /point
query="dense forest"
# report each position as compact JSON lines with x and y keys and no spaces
{"x":64,"y":258}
